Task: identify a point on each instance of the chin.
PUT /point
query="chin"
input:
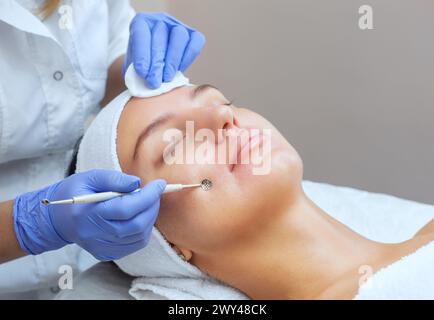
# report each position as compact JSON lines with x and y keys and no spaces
{"x":287,"y":171}
{"x":282,"y":184}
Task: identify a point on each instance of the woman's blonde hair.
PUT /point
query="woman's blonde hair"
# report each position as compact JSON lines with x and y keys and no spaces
{"x":48,"y":8}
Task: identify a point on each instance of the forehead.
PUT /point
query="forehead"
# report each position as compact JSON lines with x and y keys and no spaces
{"x":150,"y":108}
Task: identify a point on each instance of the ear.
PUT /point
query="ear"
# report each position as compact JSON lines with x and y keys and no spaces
{"x":186,"y":254}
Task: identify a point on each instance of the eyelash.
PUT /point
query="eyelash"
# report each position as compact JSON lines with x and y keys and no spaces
{"x":230,"y":103}
{"x":173,"y":146}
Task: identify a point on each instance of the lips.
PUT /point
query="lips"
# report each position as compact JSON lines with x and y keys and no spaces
{"x":243,"y":147}
{"x":236,"y":155}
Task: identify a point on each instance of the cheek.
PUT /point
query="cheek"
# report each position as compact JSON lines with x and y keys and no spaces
{"x":202,"y":222}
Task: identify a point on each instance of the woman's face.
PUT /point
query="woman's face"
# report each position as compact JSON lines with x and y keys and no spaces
{"x":240,"y":202}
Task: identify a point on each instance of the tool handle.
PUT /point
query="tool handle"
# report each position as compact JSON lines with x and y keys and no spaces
{"x":99,"y":197}
{"x":104,"y":196}
{"x":96,"y":197}
{"x":173,"y":188}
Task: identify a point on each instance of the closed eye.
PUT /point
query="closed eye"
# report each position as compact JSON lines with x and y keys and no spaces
{"x":170,"y":148}
{"x":230,"y":103}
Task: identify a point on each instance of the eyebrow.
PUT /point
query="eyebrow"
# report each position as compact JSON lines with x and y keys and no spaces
{"x":151,"y":128}
{"x":199,"y":90}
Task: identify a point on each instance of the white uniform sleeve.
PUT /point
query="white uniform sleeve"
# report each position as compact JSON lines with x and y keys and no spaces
{"x":42,"y":271}
{"x":120,"y":15}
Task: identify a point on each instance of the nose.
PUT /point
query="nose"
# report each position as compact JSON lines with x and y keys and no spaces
{"x":219,"y":119}
{"x":223,"y":117}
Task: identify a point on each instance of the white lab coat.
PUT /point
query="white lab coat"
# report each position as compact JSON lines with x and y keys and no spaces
{"x":52,"y":78}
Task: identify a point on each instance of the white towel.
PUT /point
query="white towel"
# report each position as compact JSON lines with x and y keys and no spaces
{"x":158,"y":261}
{"x":183,"y":289}
{"x":412,"y":277}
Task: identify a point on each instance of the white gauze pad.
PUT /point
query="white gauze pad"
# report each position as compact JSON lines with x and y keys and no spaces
{"x":137,"y":86}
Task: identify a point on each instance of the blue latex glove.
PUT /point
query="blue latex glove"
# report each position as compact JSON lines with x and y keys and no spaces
{"x":109,"y":230}
{"x":161,"y":45}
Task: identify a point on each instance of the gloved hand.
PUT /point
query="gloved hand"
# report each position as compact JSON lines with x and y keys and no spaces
{"x":109,"y":230}
{"x":161,"y":45}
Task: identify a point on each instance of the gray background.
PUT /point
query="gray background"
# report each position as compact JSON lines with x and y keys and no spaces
{"x":357,"y":105}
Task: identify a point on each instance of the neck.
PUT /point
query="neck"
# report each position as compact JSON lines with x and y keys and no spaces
{"x":303,"y":254}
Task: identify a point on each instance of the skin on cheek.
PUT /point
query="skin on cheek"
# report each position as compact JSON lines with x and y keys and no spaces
{"x":178,"y":219}
{"x":192,"y":218}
